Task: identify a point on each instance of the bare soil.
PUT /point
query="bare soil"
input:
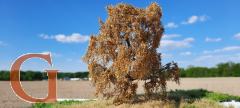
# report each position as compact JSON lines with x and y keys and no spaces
{"x":82,"y":89}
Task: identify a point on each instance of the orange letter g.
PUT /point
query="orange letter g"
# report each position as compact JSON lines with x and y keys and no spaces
{"x":52,"y":77}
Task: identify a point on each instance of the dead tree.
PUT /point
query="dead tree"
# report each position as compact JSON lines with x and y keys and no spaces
{"x":129,"y":39}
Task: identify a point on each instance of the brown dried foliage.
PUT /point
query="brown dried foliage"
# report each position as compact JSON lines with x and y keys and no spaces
{"x":129,"y":38}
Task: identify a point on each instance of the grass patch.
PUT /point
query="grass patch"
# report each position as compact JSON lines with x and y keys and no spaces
{"x":195,"y":98}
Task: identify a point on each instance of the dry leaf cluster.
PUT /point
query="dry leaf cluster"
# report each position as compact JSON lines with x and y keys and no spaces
{"x":129,"y":39}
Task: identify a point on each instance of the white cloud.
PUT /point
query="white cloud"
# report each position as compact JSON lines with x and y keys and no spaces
{"x":171,"y":25}
{"x":204,"y":18}
{"x":191,"y":20}
{"x":46,"y":36}
{"x":204,"y":58}
{"x":206,"y":52}
{"x":208,"y":61}
{"x":228,"y":49}
{"x":170,"y":36}
{"x":69,"y":59}
{"x":189,"y":39}
{"x":208,"y":39}
{"x":75,"y":37}
{"x":166,"y":55}
{"x":41,"y":35}
{"x":3,"y":43}
{"x":210,"y":57}
{"x":224,"y":49}
{"x":180,"y":62}
{"x":166,"y":45}
{"x":194,"y":19}
{"x":238,"y":55}
{"x":52,"y":54}
{"x":186,"y":53}
{"x":236,"y":36}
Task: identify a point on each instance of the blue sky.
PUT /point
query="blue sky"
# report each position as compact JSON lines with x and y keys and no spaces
{"x":200,"y":33}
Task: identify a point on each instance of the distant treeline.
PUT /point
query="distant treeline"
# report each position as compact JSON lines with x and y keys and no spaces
{"x":228,"y":69}
{"x":37,"y":75}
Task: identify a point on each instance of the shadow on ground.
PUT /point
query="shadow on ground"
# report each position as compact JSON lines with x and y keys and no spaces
{"x":188,"y":96}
